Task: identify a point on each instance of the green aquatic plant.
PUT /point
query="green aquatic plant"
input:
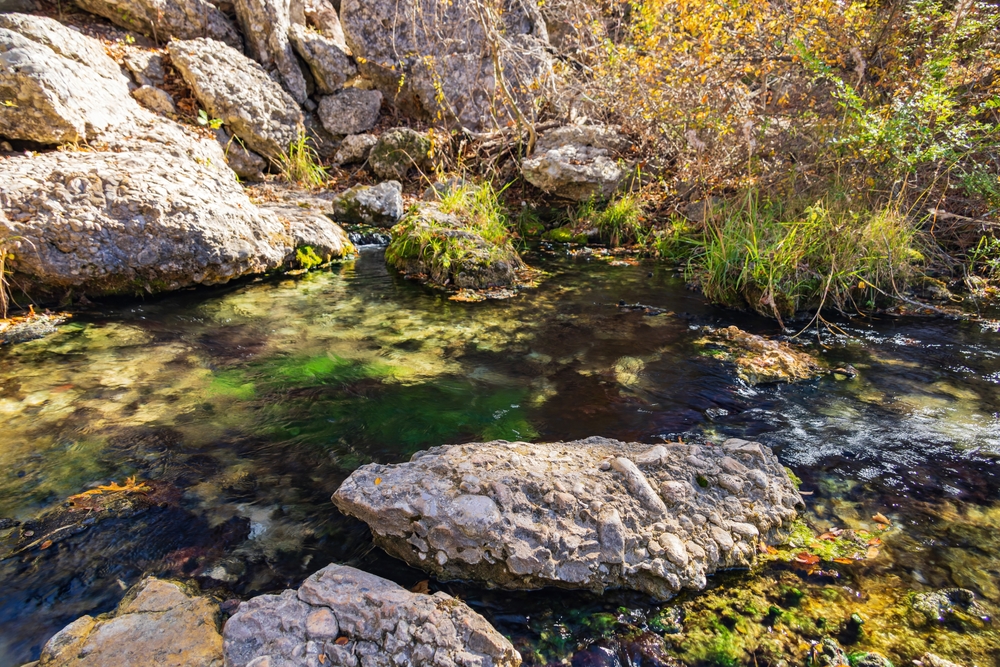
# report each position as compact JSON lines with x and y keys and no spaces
{"x":307,"y":258}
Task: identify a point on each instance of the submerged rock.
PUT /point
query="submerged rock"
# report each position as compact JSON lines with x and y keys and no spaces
{"x":577,"y":162}
{"x":591,"y":514}
{"x":950,"y":604}
{"x":158,"y":623}
{"x":380,"y":205}
{"x":341,"y":616}
{"x":447,"y":251}
{"x":760,"y":360}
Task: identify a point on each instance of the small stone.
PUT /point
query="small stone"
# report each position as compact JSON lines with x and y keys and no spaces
{"x":354,"y":148}
{"x":155,"y":99}
{"x":398,"y":151}
{"x":380,"y":205}
{"x":322,"y":624}
{"x":350,"y":111}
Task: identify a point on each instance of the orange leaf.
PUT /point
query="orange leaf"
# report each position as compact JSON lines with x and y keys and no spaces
{"x":421,"y":587}
{"x":46,"y":544}
{"x":875,"y":541}
{"x":880,"y":518}
{"x":341,"y":641}
{"x":806,"y":558}
{"x":872,"y":553}
{"x":378,"y":480}
{"x":843,"y":561}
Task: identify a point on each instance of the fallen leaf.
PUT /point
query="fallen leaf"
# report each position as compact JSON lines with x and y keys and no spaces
{"x":421,"y":587}
{"x":806,"y":558}
{"x":829,"y":536}
{"x":843,"y":561}
{"x":872,"y":553}
{"x":322,"y":658}
{"x":378,"y":480}
{"x":46,"y":544}
{"x":875,"y":541}
{"x":340,"y":641}
{"x":880,"y":518}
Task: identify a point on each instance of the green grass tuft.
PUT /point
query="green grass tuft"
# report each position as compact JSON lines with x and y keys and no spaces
{"x":301,"y":163}
{"x":778,"y":260}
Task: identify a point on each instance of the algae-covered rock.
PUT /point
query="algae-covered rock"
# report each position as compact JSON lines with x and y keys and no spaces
{"x":344,"y":617}
{"x":589,"y":514}
{"x":158,"y":623}
{"x":450,"y":251}
{"x":761,"y":360}
{"x":398,"y":151}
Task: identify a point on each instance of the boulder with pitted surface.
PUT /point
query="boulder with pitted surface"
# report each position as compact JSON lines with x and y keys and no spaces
{"x":343,"y":617}
{"x":590,"y":514}
{"x":239,"y":92}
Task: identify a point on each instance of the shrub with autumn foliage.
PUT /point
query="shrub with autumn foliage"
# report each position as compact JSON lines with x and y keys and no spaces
{"x":890,"y":109}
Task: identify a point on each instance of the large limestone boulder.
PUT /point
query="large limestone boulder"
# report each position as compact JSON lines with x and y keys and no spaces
{"x":107,"y":222}
{"x":431,"y":58}
{"x":447,"y":251}
{"x":45,"y":94}
{"x":329,"y":62}
{"x":237,"y":90}
{"x":158,"y":623}
{"x":166,"y":19}
{"x":266,"y":25}
{"x":591,"y":514}
{"x":66,"y":42}
{"x":578,"y":162}
{"x":343,"y":617}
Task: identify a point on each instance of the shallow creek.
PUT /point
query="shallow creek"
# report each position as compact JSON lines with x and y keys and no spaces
{"x":245,"y":407}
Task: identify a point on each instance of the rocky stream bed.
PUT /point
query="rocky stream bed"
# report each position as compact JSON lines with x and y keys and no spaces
{"x":199,"y":437}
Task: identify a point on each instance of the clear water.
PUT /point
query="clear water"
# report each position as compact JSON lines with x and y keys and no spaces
{"x":245,"y":407}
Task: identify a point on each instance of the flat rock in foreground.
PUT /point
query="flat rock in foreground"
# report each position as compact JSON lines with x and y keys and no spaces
{"x":158,"y":623}
{"x":589,"y":514}
{"x":344,"y":617}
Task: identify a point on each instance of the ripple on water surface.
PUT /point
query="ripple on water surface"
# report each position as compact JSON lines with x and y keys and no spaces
{"x":244,"y":408}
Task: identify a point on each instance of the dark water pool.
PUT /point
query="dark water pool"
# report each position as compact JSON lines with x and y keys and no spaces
{"x":245,"y":407}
